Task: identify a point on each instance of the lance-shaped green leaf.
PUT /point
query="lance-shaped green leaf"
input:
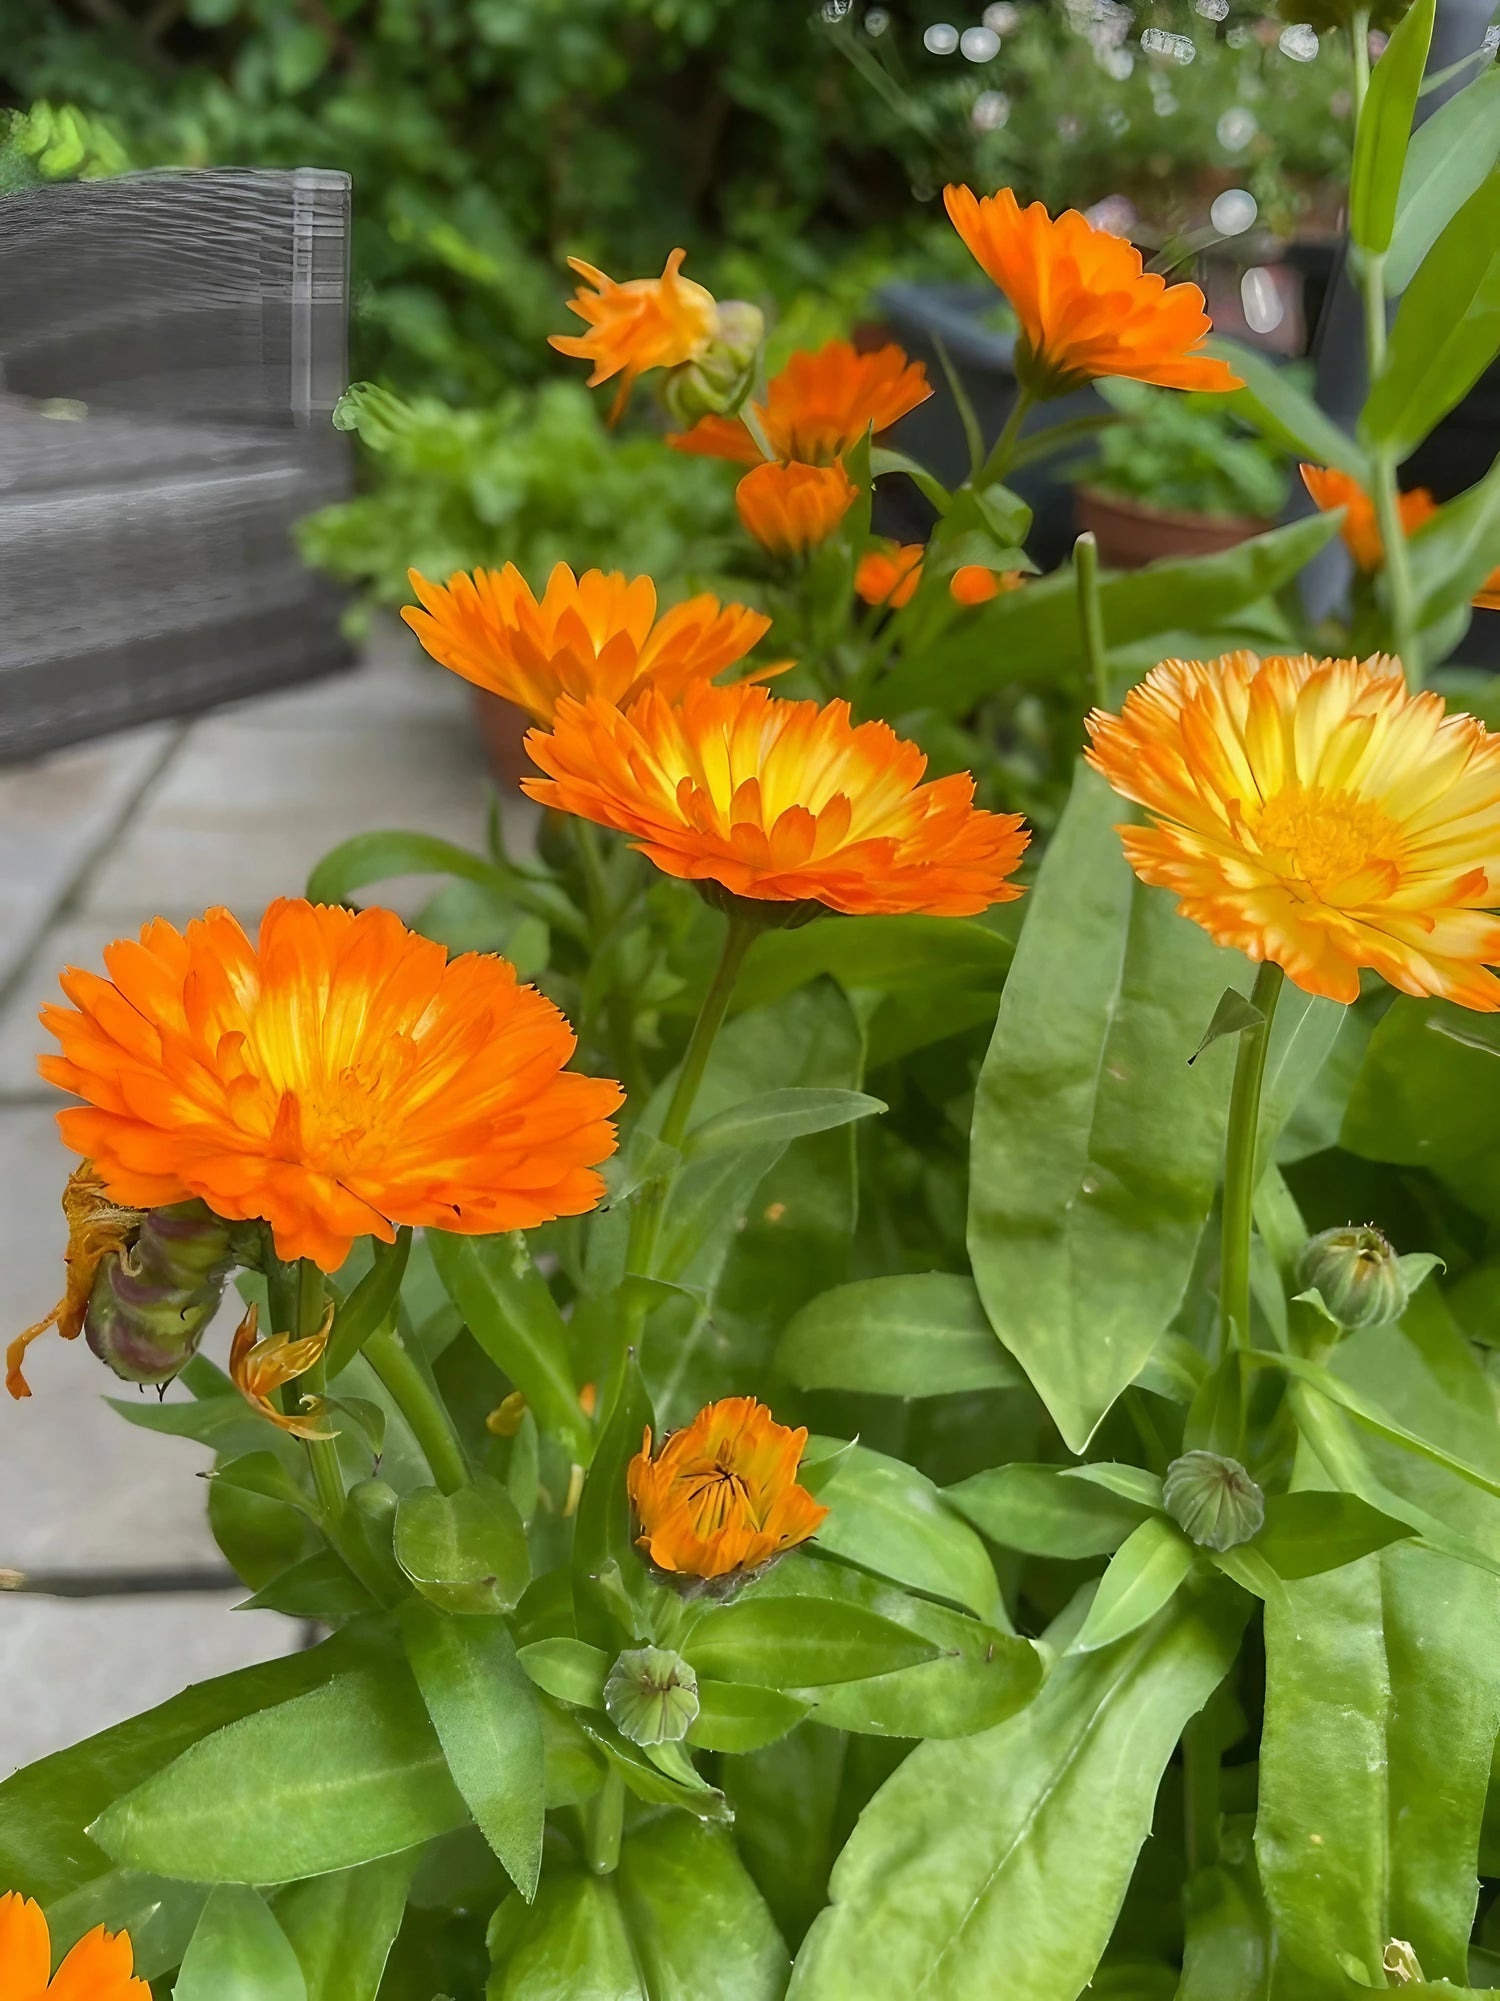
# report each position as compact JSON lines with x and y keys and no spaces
{"x":952,"y":1872}
{"x":570,"y":1670}
{"x":887,"y":1517}
{"x":800,"y":1643}
{"x":1282,"y":412}
{"x":1040,"y":1511}
{"x":487,"y":1720}
{"x":342,"y":1926}
{"x":239,"y":1953}
{"x":914,"y":1334}
{"x":1385,"y":128}
{"x":1143,"y":1574}
{"x":1312,"y":1531}
{"x":377,"y":856}
{"x":465,"y":1551}
{"x":892,"y":955}
{"x":776,"y":1118}
{"x":1453,"y":554}
{"x":732,"y":1716}
{"x":603,"y":1534}
{"x":1450,"y":154}
{"x":514,"y":1318}
{"x":1095,"y":1149}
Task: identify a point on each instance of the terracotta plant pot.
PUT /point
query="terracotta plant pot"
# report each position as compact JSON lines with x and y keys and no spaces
{"x":1130,"y":533}
{"x":503,"y":727}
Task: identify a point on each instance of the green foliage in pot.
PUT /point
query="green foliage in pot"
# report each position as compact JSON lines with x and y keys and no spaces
{"x":1187,"y":452}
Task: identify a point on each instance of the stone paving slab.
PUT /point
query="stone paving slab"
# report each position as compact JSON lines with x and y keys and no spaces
{"x":70,"y":1667}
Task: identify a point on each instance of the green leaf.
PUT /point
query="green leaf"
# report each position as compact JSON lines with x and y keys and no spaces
{"x":376,"y":857}
{"x":795,"y":1643}
{"x":342,"y":1926}
{"x":1428,"y":1095}
{"x":570,"y":1670}
{"x":369,"y":1305}
{"x":1041,"y":1512}
{"x":887,"y":1517}
{"x":1096,"y":1149}
{"x":263,"y":1474}
{"x":1227,"y":1950}
{"x":159,"y":1916}
{"x":776,"y":1118}
{"x":342,"y":1775}
{"x":514,"y":1318}
{"x":487,"y":1721}
{"x":1033,"y":635}
{"x":1450,"y":154}
{"x":239,"y":1953}
{"x":889,"y":955}
{"x":319,"y":1587}
{"x":1233,"y":1015}
{"x":953,"y":1871}
{"x":1385,"y":129}
{"x":1446,"y":331}
{"x":1143,"y":1574}
{"x":1309,"y":1532}
{"x":1280,"y":411}
{"x":732,"y":1716}
{"x":1131,"y":1483}
{"x":918,"y":1334}
{"x":1453,"y":554}
{"x":465,"y":1551}
{"x":1381,"y":1421}
{"x":603,"y":1536}
{"x":662,"y":1776}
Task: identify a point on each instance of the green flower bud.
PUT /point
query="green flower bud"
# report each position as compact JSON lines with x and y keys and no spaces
{"x":151,"y":1303}
{"x":1213,"y":1499}
{"x":1357,"y":1276}
{"x":652,"y":1696}
{"x":717,"y":383}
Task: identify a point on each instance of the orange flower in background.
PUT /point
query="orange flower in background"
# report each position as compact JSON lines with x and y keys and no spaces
{"x":1361,"y":531}
{"x":591,"y":635}
{"x":722,"y":1494}
{"x":260,"y":1366}
{"x":792,"y":508}
{"x":973,"y":584}
{"x":1085,"y":304}
{"x":644,"y":323}
{"x":337,"y":1078}
{"x":1316,"y":814}
{"x":97,"y":1229}
{"x":780,"y":801}
{"x":889,"y":576}
{"x":818,"y":407}
{"x":99,"y":1967}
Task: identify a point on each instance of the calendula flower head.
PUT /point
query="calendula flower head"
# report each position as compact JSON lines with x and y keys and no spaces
{"x":98,"y":1968}
{"x":792,"y":508}
{"x":717,"y":383}
{"x":818,"y":407}
{"x":722,"y":1494}
{"x":973,"y":584}
{"x":259,"y":1366}
{"x":783,"y":802}
{"x":1361,"y":530}
{"x":1086,"y":306}
{"x":644,"y":323}
{"x":596,"y":634}
{"x":336,"y":1078}
{"x":1316,"y":814}
{"x":888,"y":575}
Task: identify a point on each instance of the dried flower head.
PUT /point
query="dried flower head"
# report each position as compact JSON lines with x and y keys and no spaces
{"x":261,"y":1365}
{"x":98,"y":1228}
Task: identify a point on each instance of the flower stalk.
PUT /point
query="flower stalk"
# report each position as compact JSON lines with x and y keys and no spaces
{"x":420,"y":1404}
{"x":1091,"y":615}
{"x":1240,"y":1161}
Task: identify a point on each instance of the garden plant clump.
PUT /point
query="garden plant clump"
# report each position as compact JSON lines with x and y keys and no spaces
{"x":877,"y":1361}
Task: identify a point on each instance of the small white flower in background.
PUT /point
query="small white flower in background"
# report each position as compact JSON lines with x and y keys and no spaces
{"x":1233,"y":211}
{"x":1157,"y":42}
{"x":940,"y":39}
{"x":1116,"y":213}
{"x":980,"y":45}
{"x":1299,"y":41}
{"x":1236,"y":128}
{"x":991,"y":109}
{"x":1001,"y":16}
{"x":877,"y":21}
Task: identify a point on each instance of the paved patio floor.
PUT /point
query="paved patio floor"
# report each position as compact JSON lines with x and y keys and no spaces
{"x":231,"y":808}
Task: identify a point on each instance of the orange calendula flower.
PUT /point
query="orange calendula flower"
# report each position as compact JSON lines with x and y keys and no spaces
{"x":1085,"y":304}
{"x":591,"y":635}
{"x":722,"y":1493}
{"x":1316,"y":814}
{"x":337,"y":1078}
{"x":97,"y":1229}
{"x":785,"y":802}
{"x":99,"y":1967}
{"x":260,"y":1366}
{"x":644,"y":323}
{"x":792,"y":508}
{"x":889,"y":576}
{"x":1361,"y":531}
{"x":818,"y":407}
{"x":973,"y":584}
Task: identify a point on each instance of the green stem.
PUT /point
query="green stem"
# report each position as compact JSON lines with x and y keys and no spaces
{"x":1240,"y":1163}
{"x":419,"y":1403}
{"x":307,"y":1317}
{"x":998,"y":464}
{"x":1200,"y":1795}
{"x":618,"y":1012}
{"x":1091,"y":615}
{"x":604,"y":1822}
{"x":1359,"y":49}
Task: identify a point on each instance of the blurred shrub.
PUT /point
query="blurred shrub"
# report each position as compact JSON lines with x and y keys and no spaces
{"x":1188,"y":452}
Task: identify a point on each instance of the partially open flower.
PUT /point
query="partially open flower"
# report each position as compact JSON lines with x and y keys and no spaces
{"x":642,"y":324}
{"x":717,"y":383}
{"x":260,"y":1365}
{"x":973,"y":584}
{"x":595,"y":634}
{"x":1316,"y":814}
{"x":818,"y":407}
{"x":98,"y":1968}
{"x":337,"y":1078}
{"x":1361,"y":531}
{"x":1086,"y":305}
{"x":792,"y":508}
{"x":1357,"y":1274}
{"x":722,"y":1493}
{"x":782,"y":801}
{"x":889,"y":575}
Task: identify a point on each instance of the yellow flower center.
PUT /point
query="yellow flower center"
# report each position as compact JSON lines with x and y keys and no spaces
{"x":1324,"y":839}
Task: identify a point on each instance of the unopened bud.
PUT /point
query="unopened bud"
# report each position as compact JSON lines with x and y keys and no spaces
{"x":652,"y":1696}
{"x":717,"y":383}
{"x":151,"y":1303}
{"x":1213,"y":1499}
{"x":1357,"y":1276}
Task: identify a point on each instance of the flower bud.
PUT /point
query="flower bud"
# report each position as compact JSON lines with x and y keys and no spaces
{"x":1213,"y":1499}
{"x":1356,"y":1275}
{"x":151,"y":1302}
{"x":651,"y":1696}
{"x":717,"y":383}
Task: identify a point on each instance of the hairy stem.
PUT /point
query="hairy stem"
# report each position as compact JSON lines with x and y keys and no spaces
{"x":1240,"y":1162}
{"x":419,"y":1403}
